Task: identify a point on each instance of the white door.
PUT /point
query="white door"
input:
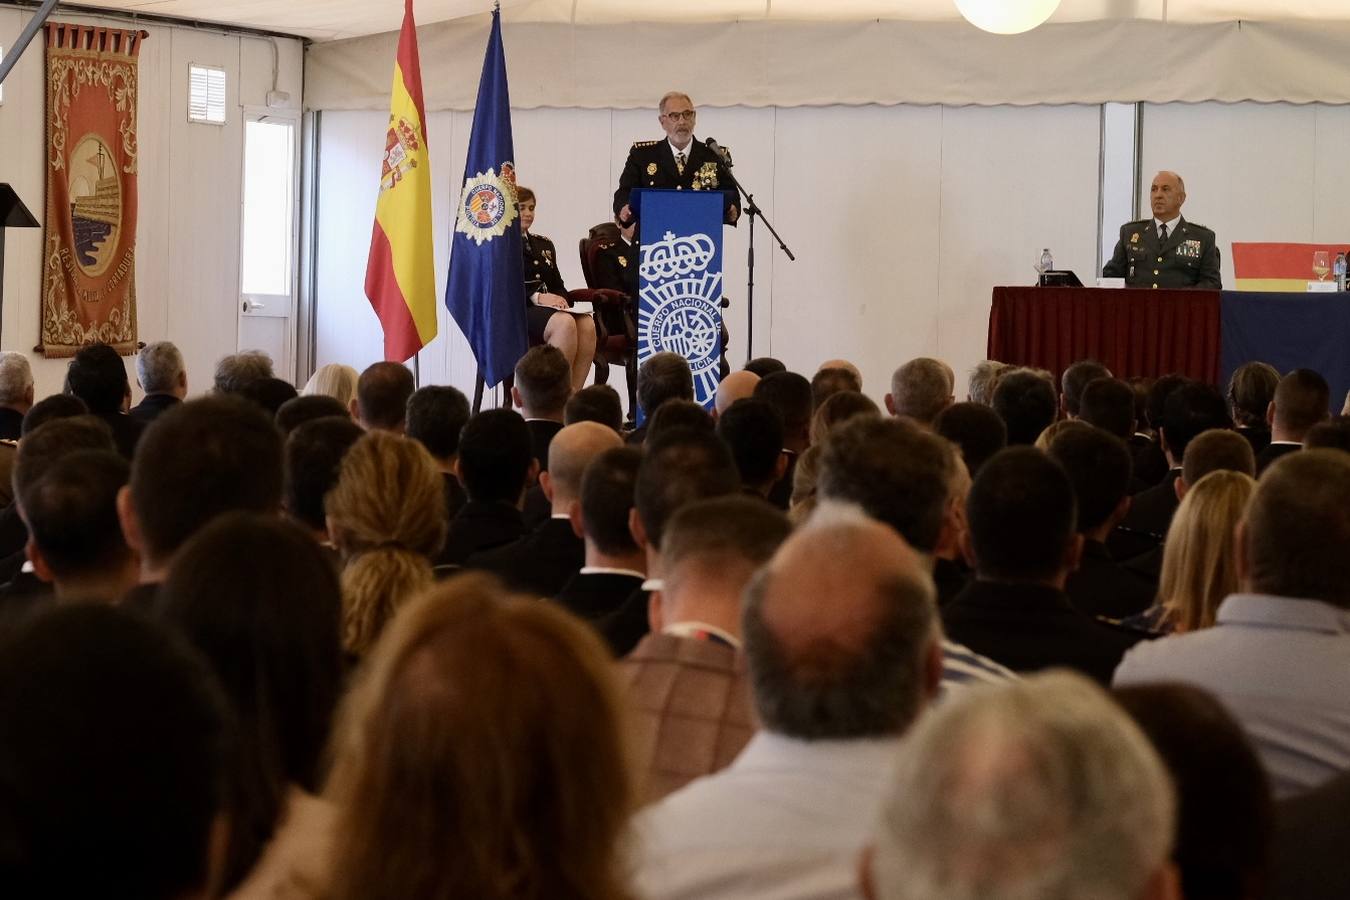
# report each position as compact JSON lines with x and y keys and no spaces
{"x":270,"y":239}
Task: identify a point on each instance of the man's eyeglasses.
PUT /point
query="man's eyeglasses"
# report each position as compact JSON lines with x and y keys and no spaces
{"x":686,"y":115}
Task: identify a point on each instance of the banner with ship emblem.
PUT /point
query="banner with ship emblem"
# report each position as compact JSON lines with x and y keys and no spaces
{"x":89,"y":243}
{"x":680,"y":282}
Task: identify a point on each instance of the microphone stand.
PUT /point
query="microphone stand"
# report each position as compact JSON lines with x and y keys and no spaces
{"x":752,"y":211}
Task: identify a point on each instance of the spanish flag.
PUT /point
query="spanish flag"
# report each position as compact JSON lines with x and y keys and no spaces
{"x":401,"y":271}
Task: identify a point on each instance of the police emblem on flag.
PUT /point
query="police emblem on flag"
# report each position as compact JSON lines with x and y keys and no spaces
{"x":681,"y":312}
{"x":487,"y":206}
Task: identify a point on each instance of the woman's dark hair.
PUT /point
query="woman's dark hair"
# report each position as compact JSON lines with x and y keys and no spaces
{"x":260,"y":600}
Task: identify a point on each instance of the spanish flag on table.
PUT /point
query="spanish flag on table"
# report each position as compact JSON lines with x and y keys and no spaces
{"x":401,"y":271}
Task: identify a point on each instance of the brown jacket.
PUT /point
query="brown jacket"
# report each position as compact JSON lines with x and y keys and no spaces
{"x":693,"y":712}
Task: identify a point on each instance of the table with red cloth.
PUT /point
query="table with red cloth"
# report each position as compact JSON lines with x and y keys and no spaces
{"x":1132,"y":332}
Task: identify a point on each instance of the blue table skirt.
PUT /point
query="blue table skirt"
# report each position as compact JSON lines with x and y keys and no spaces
{"x":1289,"y":331}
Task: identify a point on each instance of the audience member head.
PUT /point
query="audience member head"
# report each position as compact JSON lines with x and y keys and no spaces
{"x":270,"y":394}
{"x":1022,"y":519}
{"x":837,"y":409}
{"x":1250,"y":392}
{"x":1334,"y":434}
{"x":312,"y":456}
{"x":436,"y":415}
{"x":1108,"y":403}
{"x":333,"y":380}
{"x":98,"y":376}
{"x":1142,"y":386}
{"x":976,"y":429}
{"x":828,"y":382}
{"x":1225,"y":818}
{"x":1099,"y":466}
{"x":1292,"y":540}
{"x":664,"y":376}
{"x":754,"y":432}
{"x":113,"y":761}
{"x":1026,"y":403}
{"x":983,"y":379}
{"x":920,"y":389}
{"x":896,"y":472}
{"x":386,"y":515}
{"x":482,"y":756}
{"x":790,"y":394}
{"x":160,"y":369}
{"x":676,"y":414}
{"x":238,"y":369}
{"x":1075,"y":378}
{"x":45,"y":445}
{"x":847,"y":367}
{"x":1301,"y":401}
{"x":1039,"y":789}
{"x":306,"y":408}
{"x":382,"y":394}
{"x":596,"y":403}
{"x":1217,"y":450}
{"x":496,"y":457}
{"x":764,"y":366}
{"x":681,"y":467}
{"x":269,"y":629}
{"x":1190,"y":409}
{"x":868,"y":668}
{"x":57,"y":406}
{"x":1155,"y":400}
{"x":606,"y":505}
{"x":1199,"y":564}
{"x":738,"y":385}
{"x":1054,"y":429}
{"x":198,"y":460}
{"x":74,"y":537}
{"x":16,"y":382}
{"x":543,"y":383}
{"x":569,"y":453}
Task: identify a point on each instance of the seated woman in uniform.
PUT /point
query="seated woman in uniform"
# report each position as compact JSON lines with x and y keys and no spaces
{"x":546,"y":315}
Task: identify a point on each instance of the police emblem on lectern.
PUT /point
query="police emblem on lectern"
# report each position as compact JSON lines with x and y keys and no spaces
{"x":680,"y":311}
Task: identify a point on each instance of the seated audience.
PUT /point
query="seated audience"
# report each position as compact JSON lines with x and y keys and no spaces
{"x":687,"y":679}
{"x":97,"y":376}
{"x":753,"y":431}
{"x":1026,"y":403}
{"x":381,"y":400}
{"x":1108,"y":403}
{"x":543,"y":384}
{"x":664,"y":376}
{"x":596,"y":403}
{"x":333,"y":380}
{"x":829,"y":381}
{"x":1047,"y":437}
{"x":920,"y":389}
{"x":1098,"y":465}
{"x":544,"y":560}
{"x":1300,"y":402}
{"x":306,"y":408}
{"x":1023,"y":537}
{"x":674,"y":414}
{"x":974,"y":428}
{"x":1040,"y":790}
{"x":615,"y":565}
{"x":435,"y":417}
{"x":854,"y":374}
{"x":270,"y":394}
{"x":496,"y":461}
{"x":311,"y":460}
{"x":835,"y":695}
{"x":386,"y":516}
{"x":16,"y":394}
{"x":236,"y":370}
{"x":1333,"y":434}
{"x":739,"y":385}
{"x":57,"y":406}
{"x":1150,"y":464}
{"x":1073,"y":382}
{"x":1250,"y":392}
{"x":805,"y":485}
{"x":983,"y":379}
{"x":269,"y":629}
{"x":837,"y":409}
{"x":1224,"y":809}
{"x":1308,"y":860}
{"x":482,"y":756}
{"x":1274,"y":657}
{"x":114,"y":759}
{"x":790,"y":394}
{"x":764,"y":366}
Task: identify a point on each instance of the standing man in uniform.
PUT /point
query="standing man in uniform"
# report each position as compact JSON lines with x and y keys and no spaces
{"x":1166,"y":251}
{"x":680,"y":162}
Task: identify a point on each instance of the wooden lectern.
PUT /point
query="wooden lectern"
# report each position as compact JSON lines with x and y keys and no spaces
{"x":13,"y":214}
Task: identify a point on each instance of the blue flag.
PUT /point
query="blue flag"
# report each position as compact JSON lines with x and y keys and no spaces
{"x":485,"y":292}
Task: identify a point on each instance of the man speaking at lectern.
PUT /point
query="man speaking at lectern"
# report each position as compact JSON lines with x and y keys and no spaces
{"x":1166,"y":251}
{"x":680,"y":162}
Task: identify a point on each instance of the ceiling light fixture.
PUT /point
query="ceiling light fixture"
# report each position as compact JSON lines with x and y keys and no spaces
{"x":1006,"y":16}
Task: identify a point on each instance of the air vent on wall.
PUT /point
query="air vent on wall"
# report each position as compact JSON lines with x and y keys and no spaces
{"x":206,"y":95}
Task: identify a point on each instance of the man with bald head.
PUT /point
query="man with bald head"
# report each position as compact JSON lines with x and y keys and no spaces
{"x":739,"y":385}
{"x":1166,"y":251}
{"x":545,"y":559}
{"x":835,"y":686}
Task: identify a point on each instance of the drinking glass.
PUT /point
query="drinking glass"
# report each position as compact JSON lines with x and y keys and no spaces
{"x":1321,"y":264}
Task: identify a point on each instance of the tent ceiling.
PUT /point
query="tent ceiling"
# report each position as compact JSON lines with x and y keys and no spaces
{"x":326,"y":20}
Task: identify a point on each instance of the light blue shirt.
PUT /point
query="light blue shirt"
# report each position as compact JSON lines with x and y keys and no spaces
{"x":1282,"y":667}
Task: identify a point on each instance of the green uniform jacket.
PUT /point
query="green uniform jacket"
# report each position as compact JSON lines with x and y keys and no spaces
{"x":1189,"y":258}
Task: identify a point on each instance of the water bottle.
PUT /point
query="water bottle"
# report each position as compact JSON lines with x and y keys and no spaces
{"x":1338,"y":269}
{"x":1047,"y":261}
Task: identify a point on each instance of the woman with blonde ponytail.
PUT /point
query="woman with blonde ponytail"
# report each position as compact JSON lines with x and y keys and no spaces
{"x":386,"y":516}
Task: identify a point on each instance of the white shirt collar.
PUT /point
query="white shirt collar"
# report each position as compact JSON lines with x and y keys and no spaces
{"x":651,"y":585}
{"x":606,"y":570}
{"x":676,"y":151}
{"x":1171,"y":226}
{"x":691,"y":629}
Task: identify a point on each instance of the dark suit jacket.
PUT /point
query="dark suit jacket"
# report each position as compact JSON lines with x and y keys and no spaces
{"x":1308,"y":858}
{"x":1150,"y":465}
{"x":152,"y":407}
{"x":541,"y":562}
{"x":1101,"y":587}
{"x":455,"y":498}
{"x":1030,"y":627}
{"x":1145,"y":526}
{"x":623,"y":628}
{"x":1272,"y":453}
{"x":126,"y":431}
{"x":781,"y":493}
{"x":594,"y":595}
{"x":542,"y":432}
{"x":651,"y":164}
{"x":480,"y":526}
{"x":1257,"y":435}
{"x":616,"y":268}
{"x":950,"y":578}
{"x":11,"y":424}
{"x":1188,"y":259}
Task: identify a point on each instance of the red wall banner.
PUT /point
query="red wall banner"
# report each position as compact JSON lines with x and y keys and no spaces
{"x":89,"y":245}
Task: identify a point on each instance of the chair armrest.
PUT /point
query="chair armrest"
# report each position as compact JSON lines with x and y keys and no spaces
{"x":598,"y":296}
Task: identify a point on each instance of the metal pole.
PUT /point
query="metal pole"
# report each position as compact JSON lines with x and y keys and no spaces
{"x":30,"y":31}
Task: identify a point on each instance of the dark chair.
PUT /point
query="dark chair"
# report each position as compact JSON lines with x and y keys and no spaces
{"x":618,"y":316}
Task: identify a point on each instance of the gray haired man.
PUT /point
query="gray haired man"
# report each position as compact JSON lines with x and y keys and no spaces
{"x":16,"y":394}
{"x":161,"y":374}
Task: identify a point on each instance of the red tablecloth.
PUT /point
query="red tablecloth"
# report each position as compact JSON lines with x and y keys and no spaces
{"x":1133,"y":332}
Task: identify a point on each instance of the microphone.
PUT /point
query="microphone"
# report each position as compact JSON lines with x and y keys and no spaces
{"x":721,"y":151}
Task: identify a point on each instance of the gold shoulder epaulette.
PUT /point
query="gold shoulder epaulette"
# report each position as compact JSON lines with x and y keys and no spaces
{"x":645,"y":143}
{"x":541,"y":237}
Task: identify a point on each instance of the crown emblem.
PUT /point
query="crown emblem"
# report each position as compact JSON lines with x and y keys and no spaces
{"x":674,"y":257}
